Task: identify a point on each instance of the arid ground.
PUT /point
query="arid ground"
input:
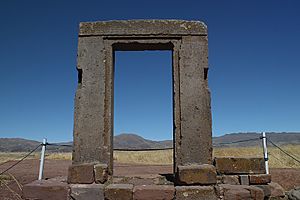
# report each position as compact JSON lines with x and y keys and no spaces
{"x":284,"y":170}
{"x":27,"y":172}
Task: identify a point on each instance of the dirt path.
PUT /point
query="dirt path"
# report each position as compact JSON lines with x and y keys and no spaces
{"x":27,"y":171}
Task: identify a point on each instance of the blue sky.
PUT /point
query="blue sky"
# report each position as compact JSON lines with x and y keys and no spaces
{"x":254,"y":50}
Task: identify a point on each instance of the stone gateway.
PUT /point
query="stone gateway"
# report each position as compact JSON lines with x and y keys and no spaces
{"x":93,"y":121}
{"x":195,"y":175}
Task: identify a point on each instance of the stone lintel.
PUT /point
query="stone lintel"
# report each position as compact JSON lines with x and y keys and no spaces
{"x":197,"y":175}
{"x":231,"y":165}
{"x":142,"y":28}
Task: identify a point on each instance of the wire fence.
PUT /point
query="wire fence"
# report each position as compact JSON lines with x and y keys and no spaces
{"x":290,"y":155}
{"x":18,"y":162}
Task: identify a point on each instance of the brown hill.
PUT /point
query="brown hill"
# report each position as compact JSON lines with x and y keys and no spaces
{"x":133,"y":141}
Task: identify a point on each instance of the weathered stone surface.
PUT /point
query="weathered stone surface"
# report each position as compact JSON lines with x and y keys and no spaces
{"x":229,"y":165}
{"x":197,"y":174}
{"x":194,"y":142}
{"x":101,"y":173}
{"x":51,"y":189}
{"x":266,"y":189}
{"x":195,"y":193}
{"x":240,"y":192}
{"x":294,"y":194}
{"x":92,"y":143}
{"x":259,"y":179}
{"x":276,"y":190}
{"x":143,"y":27}
{"x":81,"y":173}
{"x":234,"y":192}
{"x":230,"y":179}
{"x":119,"y":191}
{"x":256,"y":193}
{"x":244,"y":179}
{"x":151,"y":192}
{"x":87,"y":191}
{"x":93,"y":120}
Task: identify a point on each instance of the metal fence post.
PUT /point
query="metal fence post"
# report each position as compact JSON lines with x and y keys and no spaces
{"x":264,"y":143}
{"x":42,"y":159}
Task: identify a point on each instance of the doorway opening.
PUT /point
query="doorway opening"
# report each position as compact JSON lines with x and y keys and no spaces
{"x":143,"y":112}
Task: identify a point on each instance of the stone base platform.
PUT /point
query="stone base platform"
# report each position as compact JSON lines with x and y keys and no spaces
{"x":55,"y":188}
{"x":150,"y":188}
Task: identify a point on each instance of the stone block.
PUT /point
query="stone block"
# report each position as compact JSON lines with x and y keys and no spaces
{"x":240,"y":192}
{"x":230,"y":179}
{"x":229,"y":165}
{"x":259,"y":179}
{"x":219,"y":179}
{"x":256,"y":193}
{"x":119,"y":192}
{"x":195,"y":193}
{"x":150,"y":192}
{"x":294,"y":194}
{"x":197,"y":174}
{"x":51,"y":189}
{"x":244,"y":179}
{"x":87,"y":191}
{"x":143,"y":27}
{"x":276,"y":190}
{"x":81,"y":173}
{"x":101,"y":173}
{"x":266,"y":189}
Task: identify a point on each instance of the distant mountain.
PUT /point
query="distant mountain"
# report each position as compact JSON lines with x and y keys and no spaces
{"x":24,"y":145}
{"x":278,"y":138}
{"x":133,"y":141}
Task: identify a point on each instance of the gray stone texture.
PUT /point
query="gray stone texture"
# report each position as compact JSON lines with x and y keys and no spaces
{"x":244,"y":179}
{"x":194,"y":144}
{"x":294,"y":194}
{"x":197,"y":175}
{"x":143,"y":28}
{"x":195,"y":193}
{"x":101,"y":173}
{"x":87,"y":191}
{"x":93,"y":120}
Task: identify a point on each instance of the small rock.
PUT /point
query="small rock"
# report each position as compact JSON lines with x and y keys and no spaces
{"x":276,"y":190}
{"x":294,"y":194}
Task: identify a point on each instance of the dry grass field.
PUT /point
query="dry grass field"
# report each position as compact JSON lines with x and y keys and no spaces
{"x":277,"y":159}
